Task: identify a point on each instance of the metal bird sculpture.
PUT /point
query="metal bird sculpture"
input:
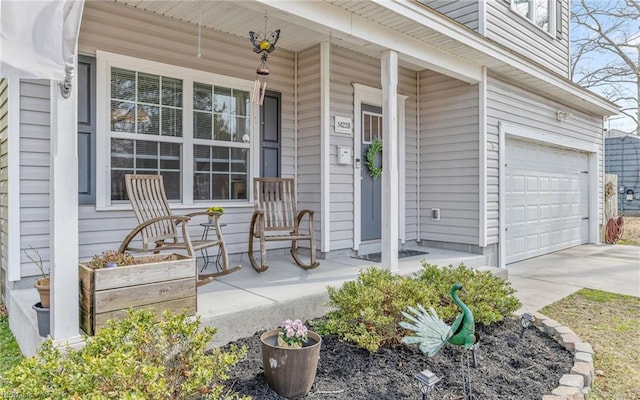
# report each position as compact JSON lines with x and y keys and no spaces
{"x":432,"y":333}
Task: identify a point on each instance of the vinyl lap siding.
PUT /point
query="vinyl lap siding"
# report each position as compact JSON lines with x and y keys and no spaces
{"x":622,"y":155}
{"x":308,"y":179}
{"x":407,"y":85}
{"x":449,"y":159}
{"x":464,"y":12}
{"x":512,"y":105}
{"x":511,"y":30}
{"x":34,"y":171}
{"x":110,"y":27}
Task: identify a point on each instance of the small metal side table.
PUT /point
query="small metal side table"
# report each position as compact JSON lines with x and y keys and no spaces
{"x":205,"y":252}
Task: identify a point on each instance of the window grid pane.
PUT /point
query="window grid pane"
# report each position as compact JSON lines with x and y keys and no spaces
{"x":221,"y":113}
{"x":536,"y":11}
{"x":135,"y":103}
{"x":220,"y":173}
{"x":145,"y":157}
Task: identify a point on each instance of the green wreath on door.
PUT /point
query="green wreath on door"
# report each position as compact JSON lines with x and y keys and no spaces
{"x":374,"y":149}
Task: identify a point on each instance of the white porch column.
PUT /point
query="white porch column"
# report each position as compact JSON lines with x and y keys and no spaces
{"x":64,"y":215}
{"x":390,"y":185}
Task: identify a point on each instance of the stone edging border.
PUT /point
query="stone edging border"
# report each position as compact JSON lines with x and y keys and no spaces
{"x":577,"y":384}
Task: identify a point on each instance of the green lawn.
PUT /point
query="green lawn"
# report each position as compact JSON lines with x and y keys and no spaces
{"x":10,"y":354}
{"x":610,"y":323}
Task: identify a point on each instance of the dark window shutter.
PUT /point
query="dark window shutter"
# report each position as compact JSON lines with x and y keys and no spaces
{"x":270,"y":130}
{"x":86,"y":130}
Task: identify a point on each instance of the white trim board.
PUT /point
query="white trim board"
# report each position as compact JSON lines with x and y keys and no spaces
{"x":373,"y":96}
{"x":325,"y":140}
{"x":482,"y":157}
{"x":13,"y":165}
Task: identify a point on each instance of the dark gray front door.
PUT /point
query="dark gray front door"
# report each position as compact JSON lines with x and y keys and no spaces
{"x":371,"y":189}
{"x":270,"y":122}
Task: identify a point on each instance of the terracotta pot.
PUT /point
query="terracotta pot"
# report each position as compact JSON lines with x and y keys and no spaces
{"x":290,"y":371}
{"x":42,"y":285}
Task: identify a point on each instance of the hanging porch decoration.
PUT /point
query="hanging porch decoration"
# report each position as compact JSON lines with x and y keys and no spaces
{"x":262,"y":42}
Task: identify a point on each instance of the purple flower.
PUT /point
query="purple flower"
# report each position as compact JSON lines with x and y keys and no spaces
{"x":293,"y":332}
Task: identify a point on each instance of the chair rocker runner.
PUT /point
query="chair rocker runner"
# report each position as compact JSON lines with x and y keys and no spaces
{"x":275,"y":219}
{"x":158,"y":228}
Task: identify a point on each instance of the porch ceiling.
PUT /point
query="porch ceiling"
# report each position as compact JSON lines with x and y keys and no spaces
{"x":238,"y":17}
{"x":409,"y":19}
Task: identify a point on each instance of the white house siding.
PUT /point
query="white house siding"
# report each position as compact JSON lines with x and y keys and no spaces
{"x":4,"y":181}
{"x":520,"y":35}
{"x":309,"y":161}
{"x":348,"y":67}
{"x":34,"y":171}
{"x":464,"y":12}
{"x":125,"y":30}
{"x":449,"y":163}
{"x":511,"y":105}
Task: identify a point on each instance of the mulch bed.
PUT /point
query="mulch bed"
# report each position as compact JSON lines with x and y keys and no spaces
{"x":508,"y":368}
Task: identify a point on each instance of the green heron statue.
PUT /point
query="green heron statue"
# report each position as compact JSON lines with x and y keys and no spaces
{"x":432,"y":333}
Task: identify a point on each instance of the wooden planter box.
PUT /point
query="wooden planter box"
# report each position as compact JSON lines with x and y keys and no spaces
{"x":164,"y":282}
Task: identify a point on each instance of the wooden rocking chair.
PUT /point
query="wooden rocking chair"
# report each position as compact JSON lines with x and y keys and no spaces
{"x":275,"y":219}
{"x":158,"y":228}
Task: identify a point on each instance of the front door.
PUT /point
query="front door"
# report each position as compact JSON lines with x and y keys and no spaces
{"x":371,"y":188}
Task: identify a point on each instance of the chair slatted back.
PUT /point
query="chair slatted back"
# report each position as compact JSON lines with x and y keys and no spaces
{"x":277,"y":199}
{"x":148,"y":199}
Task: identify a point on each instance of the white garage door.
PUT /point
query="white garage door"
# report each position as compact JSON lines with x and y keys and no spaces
{"x":546,"y":198}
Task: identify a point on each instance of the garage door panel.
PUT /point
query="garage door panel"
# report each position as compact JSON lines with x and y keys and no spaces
{"x":546,"y":199}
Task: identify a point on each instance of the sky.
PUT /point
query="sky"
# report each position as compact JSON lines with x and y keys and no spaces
{"x":627,"y":30}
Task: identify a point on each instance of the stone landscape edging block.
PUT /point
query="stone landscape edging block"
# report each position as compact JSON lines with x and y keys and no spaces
{"x":577,"y":384}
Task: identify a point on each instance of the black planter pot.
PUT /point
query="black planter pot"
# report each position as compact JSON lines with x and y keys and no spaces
{"x":44,"y":322}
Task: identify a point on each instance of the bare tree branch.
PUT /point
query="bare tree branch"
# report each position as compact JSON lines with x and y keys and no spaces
{"x":605,"y":51}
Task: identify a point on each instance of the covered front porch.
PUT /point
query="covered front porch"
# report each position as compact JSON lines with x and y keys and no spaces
{"x":244,"y":302}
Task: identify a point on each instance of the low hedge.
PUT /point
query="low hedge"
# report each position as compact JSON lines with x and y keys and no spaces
{"x":137,"y":357}
{"x":367,"y":310}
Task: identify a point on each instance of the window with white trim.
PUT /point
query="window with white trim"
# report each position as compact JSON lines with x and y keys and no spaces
{"x":539,"y":12}
{"x":193,"y":128}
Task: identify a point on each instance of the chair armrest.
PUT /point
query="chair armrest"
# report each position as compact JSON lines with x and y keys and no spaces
{"x":135,"y":231}
{"x":301,"y":215}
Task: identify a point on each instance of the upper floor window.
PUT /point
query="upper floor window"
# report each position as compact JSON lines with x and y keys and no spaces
{"x":193,"y":128}
{"x":537,"y":11}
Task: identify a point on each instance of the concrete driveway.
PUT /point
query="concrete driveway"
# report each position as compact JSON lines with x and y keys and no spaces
{"x":545,"y":279}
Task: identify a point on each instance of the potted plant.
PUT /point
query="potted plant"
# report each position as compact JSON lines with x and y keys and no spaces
{"x":214,"y":210}
{"x":43,"y":283}
{"x":43,"y":286}
{"x":290,"y":357}
{"x":113,"y":282}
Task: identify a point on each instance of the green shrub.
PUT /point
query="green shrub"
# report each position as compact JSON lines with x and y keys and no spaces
{"x":138,"y":357}
{"x":367,"y":310}
{"x":490,"y":298}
